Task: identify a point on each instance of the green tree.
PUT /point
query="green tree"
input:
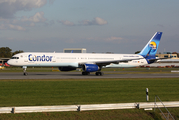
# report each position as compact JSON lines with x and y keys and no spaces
{"x":5,"y":52}
{"x":17,"y":51}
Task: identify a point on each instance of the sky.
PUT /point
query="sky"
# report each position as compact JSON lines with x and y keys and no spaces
{"x":118,"y":26}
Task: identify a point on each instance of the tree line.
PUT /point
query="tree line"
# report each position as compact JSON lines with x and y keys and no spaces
{"x":6,"y":52}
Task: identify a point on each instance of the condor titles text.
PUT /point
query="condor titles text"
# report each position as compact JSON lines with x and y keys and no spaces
{"x":40,"y":58}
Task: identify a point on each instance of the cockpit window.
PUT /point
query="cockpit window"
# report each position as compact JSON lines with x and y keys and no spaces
{"x":15,"y":58}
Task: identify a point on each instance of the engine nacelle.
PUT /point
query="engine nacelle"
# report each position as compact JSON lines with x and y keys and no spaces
{"x":66,"y":68}
{"x":90,"y":68}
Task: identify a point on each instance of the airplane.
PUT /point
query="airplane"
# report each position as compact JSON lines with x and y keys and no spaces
{"x":89,"y":62}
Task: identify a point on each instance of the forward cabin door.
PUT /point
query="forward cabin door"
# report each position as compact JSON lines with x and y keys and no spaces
{"x":25,"y":58}
{"x":54,"y":59}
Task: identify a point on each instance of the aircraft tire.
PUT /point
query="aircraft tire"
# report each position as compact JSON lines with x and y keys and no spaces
{"x":99,"y":73}
{"x":25,"y":74}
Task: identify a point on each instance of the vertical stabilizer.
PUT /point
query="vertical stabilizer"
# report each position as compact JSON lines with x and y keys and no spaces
{"x":150,"y":49}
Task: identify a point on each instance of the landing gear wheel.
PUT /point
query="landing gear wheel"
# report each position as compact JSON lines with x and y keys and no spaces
{"x":24,"y":70}
{"x":99,"y":73}
{"x":25,"y":74}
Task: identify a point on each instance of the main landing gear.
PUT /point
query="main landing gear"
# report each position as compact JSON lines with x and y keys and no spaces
{"x":97,"y":73}
{"x":24,"y":70}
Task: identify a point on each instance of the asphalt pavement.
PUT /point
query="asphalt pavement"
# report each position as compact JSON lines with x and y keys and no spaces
{"x":77,"y":75}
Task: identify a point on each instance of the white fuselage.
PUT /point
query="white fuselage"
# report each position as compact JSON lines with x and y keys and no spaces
{"x":73,"y":59}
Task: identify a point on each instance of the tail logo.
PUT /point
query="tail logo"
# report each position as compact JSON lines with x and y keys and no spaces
{"x":152,"y":46}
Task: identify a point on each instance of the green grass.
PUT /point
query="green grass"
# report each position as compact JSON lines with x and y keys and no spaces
{"x":85,"y":91}
{"x":133,"y":114}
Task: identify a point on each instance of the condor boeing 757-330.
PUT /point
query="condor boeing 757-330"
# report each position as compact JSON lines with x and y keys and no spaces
{"x":87,"y":61}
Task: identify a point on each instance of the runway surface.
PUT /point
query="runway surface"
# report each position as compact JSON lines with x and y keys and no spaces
{"x":77,"y":75}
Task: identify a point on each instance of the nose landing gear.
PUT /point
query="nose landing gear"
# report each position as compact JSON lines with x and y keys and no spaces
{"x":24,"y":70}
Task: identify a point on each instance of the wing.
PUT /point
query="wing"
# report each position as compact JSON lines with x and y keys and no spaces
{"x":104,"y":63}
{"x":156,"y":59}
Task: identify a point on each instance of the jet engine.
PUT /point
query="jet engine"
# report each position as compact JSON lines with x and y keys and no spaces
{"x":90,"y":67}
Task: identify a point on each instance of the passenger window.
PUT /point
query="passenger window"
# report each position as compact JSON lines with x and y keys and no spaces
{"x":15,"y":58}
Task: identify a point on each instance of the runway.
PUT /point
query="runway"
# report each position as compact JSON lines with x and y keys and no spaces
{"x":77,"y":75}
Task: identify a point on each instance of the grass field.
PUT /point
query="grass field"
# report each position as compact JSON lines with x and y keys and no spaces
{"x":134,"y":114}
{"x":89,"y":91}
{"x":85,"y":91}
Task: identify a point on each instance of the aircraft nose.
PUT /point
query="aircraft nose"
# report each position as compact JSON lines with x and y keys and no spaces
{"x":9,"y":62}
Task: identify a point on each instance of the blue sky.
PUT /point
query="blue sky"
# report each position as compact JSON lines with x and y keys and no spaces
{"x":100,"y":26}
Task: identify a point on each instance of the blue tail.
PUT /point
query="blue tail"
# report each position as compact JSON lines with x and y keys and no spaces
{"x":150,"y":49}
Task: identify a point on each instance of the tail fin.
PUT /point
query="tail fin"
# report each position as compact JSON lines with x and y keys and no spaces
{"x":150,"y":49}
